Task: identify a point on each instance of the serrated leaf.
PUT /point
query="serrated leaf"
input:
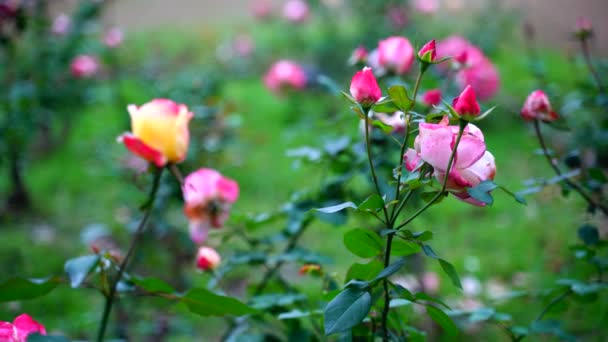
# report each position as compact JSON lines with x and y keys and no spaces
{"x":336,"y":208}
{"x":400,"y":97}
{"x":443,"y":320}
{"x":205,"y":303}
{"x":363,"y":242}
{"x":346,"y":310}
{"x":23,"y":289}
{"x":450,"y":270}
{"x":79,"y":268}
{"x":152,"y":284}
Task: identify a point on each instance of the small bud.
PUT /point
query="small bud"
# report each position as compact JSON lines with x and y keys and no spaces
{"x":84,"y":66}
{"x":113,"y":37}
{"x":583,"y":29}
{"x":207,"y":259}
{"x":538,"y":107}
{"x":428,"y":52}
{"x":364,"y":87}
{"x":432,"y":97}
{"x":466,"y":104}
{"x":359,"y":56}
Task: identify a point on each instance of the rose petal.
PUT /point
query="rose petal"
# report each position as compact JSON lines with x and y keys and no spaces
{"x":139,"y":148}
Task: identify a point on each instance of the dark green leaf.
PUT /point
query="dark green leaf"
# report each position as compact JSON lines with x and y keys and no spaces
{"x":205,"y":303}
{"x":45,"y":338}
{"x":79,"y":268}
{"x":363,"y":242}
{"x":346,"y":310}
{"x":428,"y":196}
{"x":423,"y":236}
{"x":22,"y":289}
{"x":400,"y":97}
{"x":481,"y":192}
{"x":424,"y":296}
{"x":364,"y":271}
{"x":373,"y":203}
{"x":391,"y":269}
{"x":451,"y":272}
{"x":443,"y":320}
{"x":589,"y":235}
{"x":295,"y":314}
{"x":336,"y":208}
{"x":404,"y":248}
{"x":152,"y":285}
{"x":429,"y":251}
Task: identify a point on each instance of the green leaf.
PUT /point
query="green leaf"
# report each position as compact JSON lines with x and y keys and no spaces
{"x":428,"y":196}
{"x":205,"y":303}
{"x":481,"y":314}
{"x":589,"y":235}
{"x":400,"y":98}
{"x":386,"y":106}
{"x":364,"y":271}
{"x":390,"y":269}
{"x":424,"y":296}
{"x":349,"y":97}
{"x":346,"y":310}
{"x":429,"y":252}
{"x":443,"y":320}
{"x":384,"y":127}
{"x":23,"y":289}
{"x":423,"y":236}
{"x":372,"y":203}
{"x":404,"y":248}
{"x":363,"y":242}
{"x":152,"y":285}
{"x":481,"y":192}
{"x":336,"y":208}
{"x":267,"y":301}
{"x":79,"y":268}
{"x":45,"y":338}
{"x":295,"y":314}
{"x":451,"y":272}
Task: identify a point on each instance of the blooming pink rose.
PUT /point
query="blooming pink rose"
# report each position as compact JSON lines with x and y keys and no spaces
{"x":396,"y":54}
{"x":364,"y":87}
{"x":538,"y":107}
{"x":472,"y":163}
{"x":18,"y":331}
{"x":359,"y":56}
{"x":84,"y":66}
{"x":261,"y":9}
{"x":113,"y":37}
{"x":296,"y":11}
{"x":285,"y":74}
{"x":426,"y":6}
{"x":430,"y":49}
{"x":207,"y":259}
{"x":208,"y":197}
{"x":61,"y":24}
{"x":432,"y":97}
{"x":159,"y":131}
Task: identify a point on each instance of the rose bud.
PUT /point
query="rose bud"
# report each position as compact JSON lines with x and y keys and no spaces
{"x":84,"y":66}
{"x":207,"y":259}
{"x":432,"y":97}
{"x":396,"y":54}
{"x":466,"y":104}
{"x":159,"y":131}
{"x":359,"y":56}
{"x":364,"y":88}
{"x":208,"y":197}
{"x":428,"y":53}
{"x":61,"y":24}
{"x":538,"y":107}
{"x":113,"y":37}
{"x":296,"y":11}
{"x":20,"y":329}
{"x":285,"y":74}
{"x":583,"y":28}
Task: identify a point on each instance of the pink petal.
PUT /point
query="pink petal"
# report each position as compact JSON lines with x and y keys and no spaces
{"x":139,"y":148}
{"x":411,"y":159}
{"x":199,"y":231}
{"x":435,"y":145}
{"x":470,"y":149}
{"x":25,"y":325}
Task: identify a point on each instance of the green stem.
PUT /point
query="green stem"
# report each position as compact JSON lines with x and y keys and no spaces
{"x":462,"y":124}
{"x":371,"y":164}
{"x":387,"y":296}
{"x":121,"y":270}
{"x":592,"y":70}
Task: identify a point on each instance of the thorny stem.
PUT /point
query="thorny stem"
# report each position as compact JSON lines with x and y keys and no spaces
{"x":555,"y":168}
{"x":121,"y":270}
{"x":592,"y":70}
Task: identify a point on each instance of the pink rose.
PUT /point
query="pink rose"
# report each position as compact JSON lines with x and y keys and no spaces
{"x":426,"y":6}
{"x":285,"y":74}
{"x":466,"y":104}
{"x":61,"y":24}
{"x":208,"y":197}
{"x":364,"y":87}
{"x":84,"y":66}
{"x":432,"y":97}
{"x":296,"y":11}
{"x":538,"y":107}
{"x":113,"y":37}
{"x":18,"y":331}
{"x":207,"y":259}
{"x":396,"y":54}
{"x":261,"y":9}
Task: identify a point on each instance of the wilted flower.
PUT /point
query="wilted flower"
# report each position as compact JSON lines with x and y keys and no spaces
{"x":296,"y":11}
{"x":208,"y":197}
{"x":84,"y":66}
{"x":113,"y":37}
{"x":18,"y":331}
{"x":396,"y":54}
{"x":207,"y":259}
{"x":285,"y":74}
{"x":364,"y":88}
{"x":61,"y":24}
{"x":159,"y":131}
{"x":538,"y":107}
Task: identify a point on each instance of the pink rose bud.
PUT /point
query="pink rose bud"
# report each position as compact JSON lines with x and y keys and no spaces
{"x":364,"y":88}
{"x":285,"y":74}
{"x":583,"y":28}
{"x":296,"y":11}
{"x":432,"y":97}
{"x":261,"y":9}
{"x":427,"y":7}
{"x":159,"y":131}
{"x":18,"y":331}
{"x":466,"y":103}
{"x":207,"y":259}
{"x":61,"y":24}
{"x":538,"y":107}
{"x":395,"y":54}
{"x":359,"y":56}
{"x":208,"y":197}
{"x":84,"y":66}
{"x":113,"y":37}
{"x":428,"y":53}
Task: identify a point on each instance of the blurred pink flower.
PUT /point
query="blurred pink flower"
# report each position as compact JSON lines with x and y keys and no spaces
{"x":113,"y":37}
{"x":207,"y":259}
{"x":84,"y":66}
{"x":261,"y":9}
{"x":397,"y":16}
{"x":359,"y":56}
{"x":285,"y":74}
{"x":538,"y":107}
{"x":426,"y":6}
{"x":296,"y":11}
{"x":208,"y":197}
{"x":18,"y":331}
{"x":243,"y":45}
{"x":432,"y":97}
{"x":61,"y":24}
{"x":430,"y":282}
{"x":396,"y":54}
